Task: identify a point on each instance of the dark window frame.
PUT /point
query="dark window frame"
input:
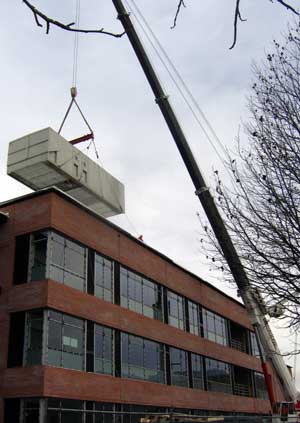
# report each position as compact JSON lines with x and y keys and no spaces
{"x":214,"y":319}
{"x":136,"y":285}
{"x":179,"y":304}
{"x":143,"y":371}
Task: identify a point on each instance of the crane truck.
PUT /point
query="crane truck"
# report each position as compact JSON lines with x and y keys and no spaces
{"x":269,"y":351}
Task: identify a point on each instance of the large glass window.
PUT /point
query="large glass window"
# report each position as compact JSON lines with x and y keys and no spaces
{"x":141,"y":295}
{"x":67,"y":262}
{"x":55,"y":257}
{"x":142,"y":359}
{"x":33,"y":337}
{"x":65,"y":411}
{"x":218,"y":376}
{"x":197,"y":371}
{"x":65,"y":346}
{"x":260,"y":385}
{"x":104,"y":278}
{"x":179,"y":367}
{"x":103,"y":350}
{"x":176,"y":314}
{"x":215,"y":327}
{"x":194,"y":318}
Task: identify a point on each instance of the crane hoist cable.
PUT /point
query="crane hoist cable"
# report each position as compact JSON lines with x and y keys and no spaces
{"x":73,"y":91}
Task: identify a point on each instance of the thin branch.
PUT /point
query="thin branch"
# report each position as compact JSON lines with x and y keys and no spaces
{"x":237,"y":16}
{"x":289,"y":7}
{"x":68,"y":27}
{"x":179,"y":6}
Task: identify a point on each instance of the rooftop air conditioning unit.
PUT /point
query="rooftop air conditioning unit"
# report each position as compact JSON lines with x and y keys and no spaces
{"x":44,"y":159}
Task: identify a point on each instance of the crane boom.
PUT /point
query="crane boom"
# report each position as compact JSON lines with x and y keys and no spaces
{"x":258,"y":320}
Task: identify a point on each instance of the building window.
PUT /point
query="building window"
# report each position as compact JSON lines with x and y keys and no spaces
{"x":197,"y":371}
{"x":194,"y":318}
{"x":100,"y":412}
{"x":178,"y":367}
{"x":65,"y":347}
{"x":142,"y":359}
{"x":254,"y":345}
{"x":65,"y":411}
{"x":104,"y":277}
{"x":215,"y":327}
{"x":33,"y":337}
{"x":67,"y":262}
{"x":141,"y":295}
{"x":103,"y":350}
{"x":260,"y":385}
{"x":54,"y":257}
{"x":218,"y":375}
{"x":176,"y":315}
{"x":31,"y":410}
{"x":38,"y":256}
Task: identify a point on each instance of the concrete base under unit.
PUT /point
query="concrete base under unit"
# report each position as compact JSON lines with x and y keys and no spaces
{"x":44,"y":159}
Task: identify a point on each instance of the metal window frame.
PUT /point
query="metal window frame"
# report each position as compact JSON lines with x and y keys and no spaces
{"x":113,"y":361}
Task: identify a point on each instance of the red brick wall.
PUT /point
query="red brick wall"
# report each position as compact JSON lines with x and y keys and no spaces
{"x":64,"y":383}
{"x":51,"y":210}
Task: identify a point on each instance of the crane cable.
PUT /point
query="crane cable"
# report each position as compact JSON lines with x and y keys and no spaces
{"x":181,"y":86}
{"x":73,"y":90}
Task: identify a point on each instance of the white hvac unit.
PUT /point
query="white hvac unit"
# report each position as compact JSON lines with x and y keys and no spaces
{"x":44,"y":159}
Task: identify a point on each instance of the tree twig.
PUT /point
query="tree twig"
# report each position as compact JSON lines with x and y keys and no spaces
{"x":289,"y":7}
{"x":68,"y":27}
{"x":237,"y":16}
{"x":179,"y":6}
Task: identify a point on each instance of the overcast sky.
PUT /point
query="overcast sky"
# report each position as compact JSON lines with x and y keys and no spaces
{"x":131,"y":136}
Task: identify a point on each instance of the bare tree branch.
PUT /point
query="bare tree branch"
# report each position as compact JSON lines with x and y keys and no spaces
{"x":179,"y":6}
{"x":289,"y":7}
{"x":237,"y":16}
{"x":68,"y":27}
{"x":261,"y":207}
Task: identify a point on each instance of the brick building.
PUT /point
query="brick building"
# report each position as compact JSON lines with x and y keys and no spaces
{"x":93,"y":320}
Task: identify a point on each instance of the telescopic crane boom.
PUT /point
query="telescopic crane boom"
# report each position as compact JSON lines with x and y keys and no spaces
{"x":267,"y":343}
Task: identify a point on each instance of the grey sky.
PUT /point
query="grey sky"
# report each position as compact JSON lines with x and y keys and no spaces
{"x":132,"y":138}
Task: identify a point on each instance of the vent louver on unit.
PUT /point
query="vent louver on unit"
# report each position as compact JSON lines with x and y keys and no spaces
{"x":44,"y":159}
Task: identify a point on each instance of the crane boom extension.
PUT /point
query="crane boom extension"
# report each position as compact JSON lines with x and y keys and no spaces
{"x":258,"y":320}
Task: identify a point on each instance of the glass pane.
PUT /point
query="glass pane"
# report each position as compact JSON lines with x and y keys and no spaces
{"x":38,"y":270}
{"x":71,"y":417}
{"x":54,"y":335}
{"x":72,"y":340}
{"x":75,"y":258}
{"x":34,"y":338}
{"x":53,"y":416}
{"x":108,"y":276}
{"x":178,"y":361}
{"x":73,"y":321}
{"x":74,"y":281}
{"x":54,"y":357}
{"x":58,"y":253}
{"x":56,"y":273}
{"x":135,"y":351}
{"x":72,"y":361}
{"x":149,"y":296}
